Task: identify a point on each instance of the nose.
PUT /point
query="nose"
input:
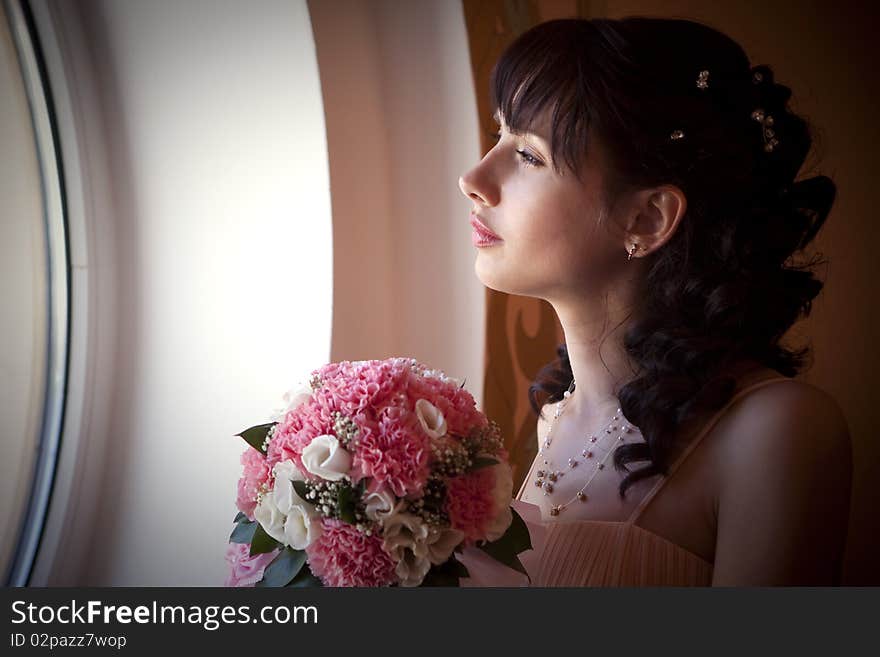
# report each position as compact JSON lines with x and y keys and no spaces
{"x":477,"y":186}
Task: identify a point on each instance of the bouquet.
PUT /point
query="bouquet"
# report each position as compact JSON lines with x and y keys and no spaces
{"x":377,"y":473}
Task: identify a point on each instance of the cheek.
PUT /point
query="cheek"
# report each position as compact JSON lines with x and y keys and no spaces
{"x":575,"y":247}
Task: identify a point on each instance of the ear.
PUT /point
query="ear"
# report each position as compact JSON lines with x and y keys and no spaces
{"x":657,"y":213}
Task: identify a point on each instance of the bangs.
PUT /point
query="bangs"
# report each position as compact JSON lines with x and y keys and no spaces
{"x":540,"y":74}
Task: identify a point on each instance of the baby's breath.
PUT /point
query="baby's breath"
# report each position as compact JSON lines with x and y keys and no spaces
{"x":269,"y":434}
{"x":345,"y":429}
{"x":485,"y":440}
{"x":324,"y":495}
{"x":451,"y":458}
{"x":429,"y":507}
{"x":261,"y":491}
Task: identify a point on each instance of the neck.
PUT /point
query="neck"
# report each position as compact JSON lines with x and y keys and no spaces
{"x":593,"y":335}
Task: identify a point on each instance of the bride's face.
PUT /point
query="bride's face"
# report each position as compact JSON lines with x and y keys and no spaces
{"x":553,"y":235}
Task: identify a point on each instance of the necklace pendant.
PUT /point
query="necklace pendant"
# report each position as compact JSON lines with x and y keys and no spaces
{"x":548,"y":487}
{"x":592,"y":439}
{"x":572,"y":463}
{"x":554,"y":510}
{"x":552,"y":476}
{"x":538,"y":483}
{"x":582,"y":496}
{"x":601,"y":466}
{"x":540,"y":474}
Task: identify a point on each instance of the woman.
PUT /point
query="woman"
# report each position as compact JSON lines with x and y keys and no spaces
{"x":643,"y":183}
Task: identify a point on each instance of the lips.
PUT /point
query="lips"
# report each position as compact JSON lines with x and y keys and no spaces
{"x":483,"y":230}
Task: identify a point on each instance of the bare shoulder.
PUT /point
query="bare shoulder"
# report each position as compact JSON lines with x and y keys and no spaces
{"x":788,"y":419}
{"x":784,"y":484}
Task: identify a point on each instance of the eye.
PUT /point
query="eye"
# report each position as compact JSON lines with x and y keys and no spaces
{"x":528,"y":159}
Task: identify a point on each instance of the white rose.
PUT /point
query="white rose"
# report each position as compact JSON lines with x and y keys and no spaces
{"x":270,"y":518}
{"x":297,"y":522}
{"x":292,"y":400}
{"x":284,"y":494}
{"x":404,"y":531}
{"x":411,"y":569}
{"x":326,"y":459}
{"x":431,"y":418}
{"x":441,"y":543}
{"x":404,"y":539}
{"x":379,"y":504}
{"x":502,"y":496}
{"x":303,"y":525}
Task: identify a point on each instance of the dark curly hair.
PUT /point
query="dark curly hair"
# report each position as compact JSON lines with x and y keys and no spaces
{"x":726,"y":287}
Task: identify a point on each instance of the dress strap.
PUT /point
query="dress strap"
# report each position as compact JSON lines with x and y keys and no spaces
{"x":690,"y":448}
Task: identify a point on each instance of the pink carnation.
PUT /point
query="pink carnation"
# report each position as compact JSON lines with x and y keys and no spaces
{"x":360,"y":385}
{"x":470,"y":502}
{"x":246,"y":570}
{"x":393,"y":450}
{"x":256,"y":473}
{"x":343,"y":556}
{"x":296,"y":430}
{"x":456,"y":404}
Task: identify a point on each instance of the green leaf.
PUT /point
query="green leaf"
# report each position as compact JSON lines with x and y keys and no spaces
{"x":445,"y":574}
{"x":284,"y":568}
{"x":240,"y":517}
{"x":256,"y":436}
{"x":262,"y":542}
{"x":515,"y":540}
{"x":243,"y":532}
{"x":345,"y":499}
{"x":301,"y":489}
{"x":462,"y":383}
{"x":482,"y":462}
{"x":305,"y":579}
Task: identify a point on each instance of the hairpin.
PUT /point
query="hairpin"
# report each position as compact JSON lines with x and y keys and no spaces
{"x":766,"y":121}
{"x":770,"y":141}
{"x":703,"y":80}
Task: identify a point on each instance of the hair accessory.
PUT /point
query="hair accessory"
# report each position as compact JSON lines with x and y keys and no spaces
{"x":770,"y":140}
{"x":545,"y":478}
{"x":703,"y":80}
{"x":766,"y":121}
{"x":632,"y":251}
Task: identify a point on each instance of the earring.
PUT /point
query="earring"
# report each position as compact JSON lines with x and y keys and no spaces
{"x":632,"y":251}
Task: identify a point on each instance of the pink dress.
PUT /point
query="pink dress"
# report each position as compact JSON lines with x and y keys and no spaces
{"x":599,"y":552}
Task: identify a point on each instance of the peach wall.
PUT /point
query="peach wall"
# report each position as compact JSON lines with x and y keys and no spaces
{"x":401,"y":127}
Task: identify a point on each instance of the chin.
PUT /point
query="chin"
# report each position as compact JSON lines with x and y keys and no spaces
{"x":494,"y":279}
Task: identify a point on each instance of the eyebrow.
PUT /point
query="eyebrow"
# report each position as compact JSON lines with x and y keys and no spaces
{"x":546,"y":142}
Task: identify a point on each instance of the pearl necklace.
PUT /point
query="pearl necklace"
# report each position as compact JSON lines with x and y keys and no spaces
{"x":546,"y":478}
